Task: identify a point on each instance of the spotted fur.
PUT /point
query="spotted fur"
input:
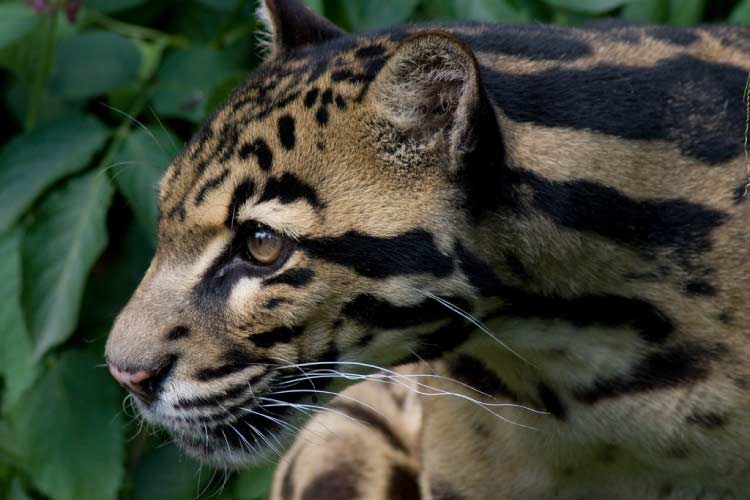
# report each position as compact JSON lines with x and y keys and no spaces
{"x":551,"y":221}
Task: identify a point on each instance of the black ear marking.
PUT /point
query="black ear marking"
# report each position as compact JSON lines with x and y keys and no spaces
{"x":292,"y":25}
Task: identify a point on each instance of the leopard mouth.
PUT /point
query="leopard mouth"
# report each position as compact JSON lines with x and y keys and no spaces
{"x":234,"y":430}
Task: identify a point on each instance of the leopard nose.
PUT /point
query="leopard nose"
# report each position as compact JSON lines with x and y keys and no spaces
{"x":144,"y":384}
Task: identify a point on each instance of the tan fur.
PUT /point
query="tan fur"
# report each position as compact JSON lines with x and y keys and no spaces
{"x":384,"y":159}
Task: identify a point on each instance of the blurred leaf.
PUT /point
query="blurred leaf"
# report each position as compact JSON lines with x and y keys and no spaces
{"x":70,"y":430}
{"x":587,"y":6}
{"x":223,"y":5}
{"x":93,"y":63}
{"x":17,"y":492}
{"x":16,"y":20}
{"x":646,"y":11}
{"x":316,"y":5}
{"x":67,"y":234}
{"x":223,"y":90}
{"x":125,"y":263}
{"x":741,"y":13}
{"x":51,"y":107}
{"x":475,"y":10}
{"x":30,"y":163}
{"x":167,"y":474}
{"x":365,"y":16}
{"x":686,"y":12}
{"x":107,"y":6}
{"x":138,"y":167}
{"x":16,"y":363}
{"x":187,"y":78}
{"x":255,"y":483}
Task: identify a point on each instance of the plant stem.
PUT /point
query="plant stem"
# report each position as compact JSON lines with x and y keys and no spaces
{"x":43,"y":72}
{"x":133,"y":30}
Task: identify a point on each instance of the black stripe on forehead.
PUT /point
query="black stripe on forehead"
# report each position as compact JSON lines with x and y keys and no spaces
{"x":290,"y":188}
{"x":692,"y":102}
{"x":286,"y":132}
{"x":380,"y":313}
{"x":209,"y":185}
{"x":260,"y":150}
{"x":242,"y":193}
{"x":413,"y":252}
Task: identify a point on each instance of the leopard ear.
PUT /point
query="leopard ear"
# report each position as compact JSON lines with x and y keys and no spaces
{"x":429,"y":90}
{"x":289,"y":24}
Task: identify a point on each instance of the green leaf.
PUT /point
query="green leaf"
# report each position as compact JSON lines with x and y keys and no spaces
{"x":16,"y":363}
{"x":475,"y":10}
{"x":126,"y":264}
{"x":741,"y":13}
{"x":93,"y":63}
{"x":16,"y":20}
{"x":587,"y":6}
{"x":17,"y":492}
{"x":365,"y":16}
{"x":167,"y":474}
{"x":66,"y":236}
{"x":255,"y":483}
{"x":137,"y":168}
{"x":186,"y":80}
{"x":70,"y":430}
{"x":686,"y":12}
{"x":316,"y":5}
{"x":646,"y":11}
{"x":30,"y":163}
{"x":107,"y":6}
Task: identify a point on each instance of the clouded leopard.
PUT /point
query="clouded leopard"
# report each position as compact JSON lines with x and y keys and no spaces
{"x":544,"y":229}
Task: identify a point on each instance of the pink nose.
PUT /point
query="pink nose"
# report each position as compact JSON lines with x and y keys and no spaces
{"x":132,"y":381}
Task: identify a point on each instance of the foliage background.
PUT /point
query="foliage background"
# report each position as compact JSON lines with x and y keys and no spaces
{"x":95,"y":100}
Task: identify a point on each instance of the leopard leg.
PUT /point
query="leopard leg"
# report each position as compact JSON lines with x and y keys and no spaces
{"x":366,"y":447}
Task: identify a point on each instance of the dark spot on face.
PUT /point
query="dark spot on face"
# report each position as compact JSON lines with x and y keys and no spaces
{"x":321,"y":116}
{"x":209,"y":185}
{"x":380,"y":313}
{"x":233,"y":361}
{"x":371,"y":420}
{"x":551,"y":401}
{"x":310,"y":97}
{"x":369,"y":51}
{"x":700,"y":287}
{"x":341,"y":483}
{"x":275,"y":302}
{"x":340,"y":104}
{"x":413,"y":252}
{"x":261,"y":151}
{"x":279,"y":335}
{"x":296,"y":278}
{"x":290,"y":188}
{"x":403,"y":484}
{"x":178,"y":332}
{"x":178,"y":213}
{"x":708,"y":420}
{"x":327,"y":98}
{"x":286,"y":132}
{"x":241,"y":194}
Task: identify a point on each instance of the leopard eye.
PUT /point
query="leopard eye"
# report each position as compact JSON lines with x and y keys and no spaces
{"x":264,"y":247}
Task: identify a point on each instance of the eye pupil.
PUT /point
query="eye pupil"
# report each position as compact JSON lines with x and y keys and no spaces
{"x":265,"y":247}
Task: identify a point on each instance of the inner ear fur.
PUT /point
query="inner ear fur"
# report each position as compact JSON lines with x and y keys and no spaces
{"x":289,"y":24}
{"x":430,"y":90}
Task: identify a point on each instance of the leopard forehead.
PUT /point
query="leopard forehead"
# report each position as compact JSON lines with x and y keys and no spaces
{"x":277,"y":130}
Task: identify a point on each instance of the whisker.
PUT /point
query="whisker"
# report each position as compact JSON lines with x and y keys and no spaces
{"x":472,"y":320}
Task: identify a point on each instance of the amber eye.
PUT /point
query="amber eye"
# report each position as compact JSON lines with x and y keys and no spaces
{"x":265,"y":247}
